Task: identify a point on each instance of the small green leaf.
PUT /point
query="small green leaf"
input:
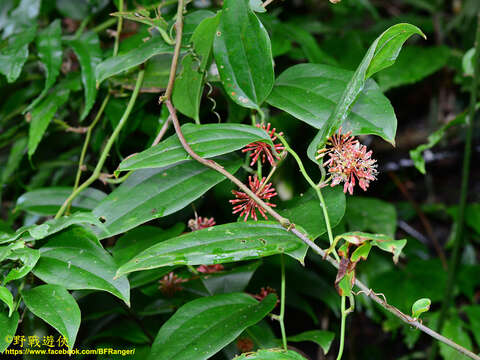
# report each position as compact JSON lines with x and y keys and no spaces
{"x":7,"y":297}
{"x":189,"y":83}
{"x":8,"y":328}
{"x":75,"y":260}
{"x":28,"y":257}
{"x":243,"y":55}
{"x":270,"y":354}
{"x":467,"y":62}
{"x":206,"y":140}
{"x":50,"y":227}
{"x":361,"y":253}
{"x":420,"y":306}
{"x":202,"y":327}
{"x":153,"y":193}
{"x":14,"y":55}
{"x":323,"y":338}
{"x":60,"y":311}
{"x":220,"y":244}
{"x":382,"y":53}
{"x":42,"y":114}
{"x":89,"y":54}
{"x":118,"y":64}
{"x":49,"y":46}
{"x":47,"y":201}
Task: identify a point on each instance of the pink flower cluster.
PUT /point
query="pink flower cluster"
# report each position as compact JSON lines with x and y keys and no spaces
{"x":348,"y":162}
{"x":263,"y":150}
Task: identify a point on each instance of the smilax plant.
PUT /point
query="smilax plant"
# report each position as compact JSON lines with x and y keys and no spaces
{"x":158,"y":206}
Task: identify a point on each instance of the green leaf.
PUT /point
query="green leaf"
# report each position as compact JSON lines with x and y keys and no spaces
{"x":417,"y":153}
{"x":382,"y":53}
{"x":49,"y":46}
{"x":220,"y":244}
{"x":89,"y":54}
{"x":28,"y":258}
{"x":420,"y":306}
{"x":189,"y":83}
{"x":14,"y":55}
{"x":22,"y":17}
{"x":243,"y":55}
{"x":361,"y":253}
{"x":306,"y":210}
{"x":42,"y":114}
{"x":234,"y":280}
{"x":75,"y":260}
{"x":473,"y":314}
{"x":206,"y":140}
{"x":256,"y":5}
{"x":154,"y":193}
{"x":371,"y":214}
{"x":141,"y":238}
{"x":8,"y":328}
{"x":7,"y":297}
{"x":203,"y":326}
{"x":271,"y":354}
{"x":47,"y":201}
{"x":310,"y":92}
{"x":455,"y":331}
{"x":118,"y":64}
{"x":413,"y":64}
{"x":322,"y":338}
{"x":60,"y":311}
{"x":467,"y":62}
{"x":37,"y":232}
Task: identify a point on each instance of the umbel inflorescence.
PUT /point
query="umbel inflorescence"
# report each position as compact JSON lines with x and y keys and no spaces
{"x":349,"y":162}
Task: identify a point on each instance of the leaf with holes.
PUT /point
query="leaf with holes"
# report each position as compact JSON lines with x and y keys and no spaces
{"x":75,"y":260}
{"x":202,"y":327}
{"x":207,"y":140}
{"x":243,"y":55}
{"x":220,"y":244}
{"x":60,"y":311}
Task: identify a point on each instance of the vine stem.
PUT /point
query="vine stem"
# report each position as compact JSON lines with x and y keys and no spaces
{"x":342,"y":328}
{"x":281,"y":318}
{"x":108,"y":146}
{"x":467,"y":154}
{"x":289,"y":225}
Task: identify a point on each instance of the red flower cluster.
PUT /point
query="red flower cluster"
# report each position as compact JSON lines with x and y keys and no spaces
{"x":259,"y":148}
{"x":170,"y":284}
{"x":246,"y":205}
{"x":200,"y":223}
{"x":210,"y":269}
{"x":348,"y":160}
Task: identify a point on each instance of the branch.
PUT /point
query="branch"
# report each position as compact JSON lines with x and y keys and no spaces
{"x":283,"y":221}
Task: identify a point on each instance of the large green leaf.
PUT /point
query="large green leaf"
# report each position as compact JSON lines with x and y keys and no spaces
{"x":382,"y":53}
{"x":321,"y":337}
{"x":8,"y":328}
{"x":117,"y":64}
{"x":243,"y":54}
{"x":233,"y":280}
{"x":203,"y":326}
{"x":153,"y":193}
{"x":189,"y":83}
{"x":206,"y":140}
{"x":310,"y":92}
{"x":37,"y":232}
{"x":49,"y":46}
{"x":47,"y":201}
{"x":306,"y":211}
{"x":473,"y":314}
{"x":27,"y":257}
{"x":14,"y":55}
{"x":220,"y":244}
{"x":271,"y":354}
{"x":89,"y":54}
{"x":54,"y":305}
{"x":75,"y":260}
{"x":371,"y":214}
{"x":413,"y":64}
{"x":454,"y":329}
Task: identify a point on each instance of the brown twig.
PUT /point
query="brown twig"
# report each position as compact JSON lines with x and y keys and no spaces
{"x":162,"y":131}
{"x":285,"y":222}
